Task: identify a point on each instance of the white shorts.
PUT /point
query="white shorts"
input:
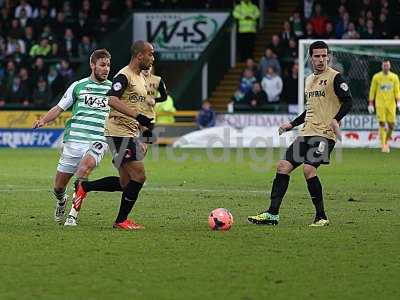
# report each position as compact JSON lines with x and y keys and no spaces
{"x":73,"y":153}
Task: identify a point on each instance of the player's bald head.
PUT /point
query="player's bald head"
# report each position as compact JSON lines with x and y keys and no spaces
{"x":140,"y":47}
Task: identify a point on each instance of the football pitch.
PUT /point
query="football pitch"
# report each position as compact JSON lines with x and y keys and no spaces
{"x":178,"y":257}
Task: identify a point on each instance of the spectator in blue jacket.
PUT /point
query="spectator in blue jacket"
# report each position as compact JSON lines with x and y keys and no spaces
{"x":206,"y":116}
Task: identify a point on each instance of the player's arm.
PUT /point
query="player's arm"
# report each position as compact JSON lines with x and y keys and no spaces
{"x":397,"y":91}
{"x":163,"y":92}
{"x":66,"y":101}
{"x":343,"y":93}
{"x":296,"y":122}
{"x":372,"y":93}
{"x":118,"y":87}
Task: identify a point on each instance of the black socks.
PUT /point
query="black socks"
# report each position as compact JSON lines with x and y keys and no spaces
{"x":128,"y":199}
{"x":315,"y":188}
{"x":278,"y":191}
{"x":105,"y":184}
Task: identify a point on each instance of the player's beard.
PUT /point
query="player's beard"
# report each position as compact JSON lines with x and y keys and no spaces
{"x":99,"y":77}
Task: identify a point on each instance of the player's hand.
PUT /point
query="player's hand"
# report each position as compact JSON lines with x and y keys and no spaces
{"x":38,"y":124}
{"x":371,"y":108}
{"x":284,"y":127}
{"x":143,"y":120}
{"x":336,"y":129}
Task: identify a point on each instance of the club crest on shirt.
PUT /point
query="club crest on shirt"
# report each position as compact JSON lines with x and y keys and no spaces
{"x":344,"y":86}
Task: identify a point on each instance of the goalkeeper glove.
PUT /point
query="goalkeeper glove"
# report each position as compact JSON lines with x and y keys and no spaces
{"x":371,"y":108}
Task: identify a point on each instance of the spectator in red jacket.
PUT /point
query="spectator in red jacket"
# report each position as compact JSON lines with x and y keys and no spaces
{"x":318,"y":21}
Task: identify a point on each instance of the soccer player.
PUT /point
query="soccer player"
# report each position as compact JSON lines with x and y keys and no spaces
{"x":123,"y":137}
{"x":328,"y":101}
{"x":84,"y":142}
{"x":384,"y":92}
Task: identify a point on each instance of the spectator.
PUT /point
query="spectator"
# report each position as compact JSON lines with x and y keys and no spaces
{"x":165,"y":111}
{"x":67,"y":10}
{"x":247,"y":14}
{"x":65,"y":71}
{"x":369,"y":32}
{"x":41,"y":49}
{"x":268,"y":60}
{"x":342,"y":25}
{"x":276,"y":46}
{"x":246,"y":83}
{"x":87,"y":9}
{"x":383,"y":26}
{"x":86,"y":47}
{"x":291,"y":52}
{"x":309,"y":34}
{"x":21,"y":59}
{"x":23,"y":5}
{"x":45,"y":5}
{"x":9,"y":74}
{"x":291,"y":89}
{"x":15,"y":31}
{"x":102,"y":27}
{"x":297,"y":24}
{"x":272,"y":85}
{"x":329,"y":31}
{"x":42,"y":95}
{"x":68,"y":45}
{"x":256,"y":98}
{"x":251,"y":65}
{"x":351,"y":32}
{"x":42,"y":19}
{"x":13,"y":44}
{"x":16,"y":94}
{"x":39,"y":69}
{"x":26,"y":81}
{"x":287,"y":33}
{"x":24,"y":20}
{"x":318,"y":21}
{"x":308,"y":7}
{"x":206,"y":116}
{"x":29,"y":38}
{"x":83,"y":26}
{"x":59,"y":24}
{"x":55,"y":81}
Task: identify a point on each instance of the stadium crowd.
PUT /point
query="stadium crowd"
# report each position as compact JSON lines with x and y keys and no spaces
{"x":43,"y":42}
{"x":274,"y":79}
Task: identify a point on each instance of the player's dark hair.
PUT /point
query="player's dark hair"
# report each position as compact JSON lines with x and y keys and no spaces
{"x":317,"y":45}
{"x":98,"y":54}
{"x":137,"y":47}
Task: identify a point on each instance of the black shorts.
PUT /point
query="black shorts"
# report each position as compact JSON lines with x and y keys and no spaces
{"x":311,"y":150}
{"x":124,"y":149}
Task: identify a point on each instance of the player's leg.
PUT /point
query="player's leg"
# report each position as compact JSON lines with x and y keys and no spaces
{"x":319,"y":150}
{"x":61,"y":181}
{"x":381,"y":116}
{"x":391,"y":122}
{"x":89,"y":162}
{"x":67,"y":165}
{"x":315,"y":189}
{"x":293,"y":158}
{"x":135,"y":172}
{"x":132,"y":177}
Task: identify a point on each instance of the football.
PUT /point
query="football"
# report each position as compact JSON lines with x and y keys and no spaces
{"x":220,"y":219}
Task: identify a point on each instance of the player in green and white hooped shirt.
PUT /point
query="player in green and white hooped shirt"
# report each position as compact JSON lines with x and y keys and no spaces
{"x":84,"y":142}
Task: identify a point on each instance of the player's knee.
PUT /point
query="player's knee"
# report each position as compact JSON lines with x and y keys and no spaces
{"x":309,"y":171}
{"x":284,"y":167}
{"x":382,"y":124}
{"x":391,"y":126}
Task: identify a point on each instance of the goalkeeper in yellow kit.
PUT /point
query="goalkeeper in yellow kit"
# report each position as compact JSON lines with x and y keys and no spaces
{"x":385,"y":91}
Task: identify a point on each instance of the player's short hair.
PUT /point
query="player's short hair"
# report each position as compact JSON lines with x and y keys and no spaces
{"x":317,"y":45}
{"x":99,"y":54}
{"x":137,"y":47}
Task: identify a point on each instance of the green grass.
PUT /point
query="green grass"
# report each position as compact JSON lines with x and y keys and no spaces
{"x":178,"y":257}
